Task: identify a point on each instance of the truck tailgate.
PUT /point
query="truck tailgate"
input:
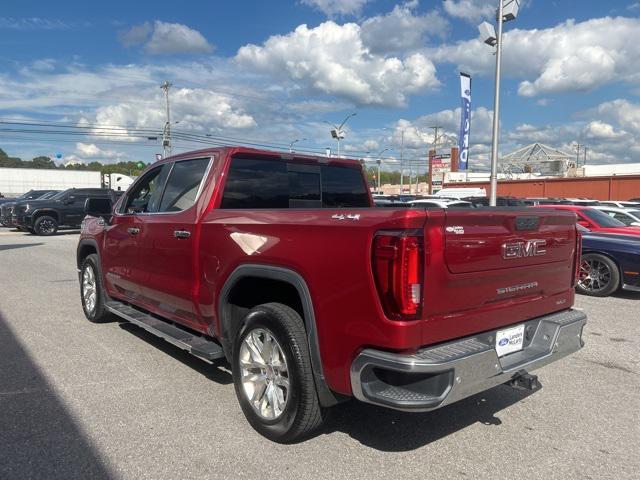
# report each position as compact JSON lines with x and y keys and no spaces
{"x":478,"y":241}
{"x":494,"y":267}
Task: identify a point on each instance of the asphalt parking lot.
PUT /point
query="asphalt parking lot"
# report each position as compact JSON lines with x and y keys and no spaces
{"x":79,"y":400}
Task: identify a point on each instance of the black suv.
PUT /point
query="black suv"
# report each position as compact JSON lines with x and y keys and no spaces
{"x":6,"y":209}
{"x":66,"y":209}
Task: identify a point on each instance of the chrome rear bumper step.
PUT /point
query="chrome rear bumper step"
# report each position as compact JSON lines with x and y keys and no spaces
{"x":437,"y":376}
{"x":201,"y":347}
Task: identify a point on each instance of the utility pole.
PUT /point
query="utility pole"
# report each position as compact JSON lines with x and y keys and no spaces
{"x":166,"y":134}
{"x":578,"y":153}
{"x":401,"y":164}
{"x":435,"y":152}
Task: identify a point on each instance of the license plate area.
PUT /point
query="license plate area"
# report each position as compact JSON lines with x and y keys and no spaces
{"x":509,"y":340}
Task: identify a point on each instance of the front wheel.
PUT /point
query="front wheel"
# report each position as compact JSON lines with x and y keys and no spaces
{"x":91,"y":292}
{"x":45,"y":225}
{"x":599,"y":276}
{"x":272,"y":374}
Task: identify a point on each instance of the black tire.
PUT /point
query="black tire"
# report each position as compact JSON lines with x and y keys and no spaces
{"x":97,"y":314}
{"x":302,"y":413}
{"x":599,"y":275}
{"x":45,"y":225}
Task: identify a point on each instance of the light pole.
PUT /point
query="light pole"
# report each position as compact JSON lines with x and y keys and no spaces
{"x":294,"y":142}
{"x":166,"y":138}
{"x":507,"y":10}
{"x":166,"y":134}
{"x":401,"y":158}
{"x":337,"y":132}
{"x":379,"y":162}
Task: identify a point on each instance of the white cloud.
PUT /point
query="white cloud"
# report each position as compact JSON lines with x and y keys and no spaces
{"x":37,"y":23}
{"x":165,"y":38}
{"x":71,"y":160}
{"x":621,"y":112}
{"x":332,"y":59}
{"x":332,"y":8}
{"x":598,"y":130}
{"x":419,"y":134}
{"x":91,"y":150}
{"x":568,"y":57}
{"x":169,"y":38}
{"x":196,"y":110}
{"x":136,"y":35}
{"x":401,"y":29}
{"x":470,"y":10}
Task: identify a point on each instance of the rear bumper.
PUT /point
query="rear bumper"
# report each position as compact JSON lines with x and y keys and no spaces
{"x":437,"y":376}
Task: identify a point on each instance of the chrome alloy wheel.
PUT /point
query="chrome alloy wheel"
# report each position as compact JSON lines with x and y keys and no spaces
{"x":594,"y":275}
{"x":89,"y":293}
{"x":265,"y":377}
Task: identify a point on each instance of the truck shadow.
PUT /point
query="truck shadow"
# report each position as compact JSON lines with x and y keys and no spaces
{"x":626,"y":295}
{"x":218,"y":372}
{"x":13,"y":246}
{"x":39,"y":437}
{"x":393,"y":431}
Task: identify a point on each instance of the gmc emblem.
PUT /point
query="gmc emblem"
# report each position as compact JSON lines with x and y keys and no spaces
{"x":530,"y":248}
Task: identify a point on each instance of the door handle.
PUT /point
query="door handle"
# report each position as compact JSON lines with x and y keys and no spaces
{"x":181,"y":233}
{"x":133,"y":230}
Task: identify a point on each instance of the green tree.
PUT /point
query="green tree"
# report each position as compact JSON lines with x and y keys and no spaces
{"x":41,"y":162}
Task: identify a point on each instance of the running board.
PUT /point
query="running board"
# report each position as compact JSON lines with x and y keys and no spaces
{"x":201,"y":347}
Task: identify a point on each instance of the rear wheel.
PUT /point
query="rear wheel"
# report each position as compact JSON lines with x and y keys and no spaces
{"x":599,"y":275}
{"x":272,"y":374}
{"x":45,"y":225}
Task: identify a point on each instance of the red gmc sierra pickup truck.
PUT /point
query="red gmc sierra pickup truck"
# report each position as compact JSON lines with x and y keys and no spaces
{"x":280,"y":263}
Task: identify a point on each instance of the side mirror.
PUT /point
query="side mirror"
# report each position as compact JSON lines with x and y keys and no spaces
{"x":635,"y":224}
{"x":584,"y":223}
{"x":98,"y":207}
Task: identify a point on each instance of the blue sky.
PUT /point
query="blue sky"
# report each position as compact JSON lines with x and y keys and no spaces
{"x":271,"y":72}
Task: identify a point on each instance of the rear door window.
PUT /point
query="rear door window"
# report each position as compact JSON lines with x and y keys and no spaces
{"x":183,"y":185}
{"x":259,"y":184}
{"x":343,"y":187}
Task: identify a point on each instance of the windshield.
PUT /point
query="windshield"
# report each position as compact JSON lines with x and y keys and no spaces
{"x":48,"y":195}
{"x":601,"y":219}
{"x":25,"y":195}
{"x":61,"y":194}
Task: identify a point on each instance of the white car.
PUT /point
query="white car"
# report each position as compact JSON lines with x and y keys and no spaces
{"x":613,"y":203}
{"x":440,"y":203}
{"x":628,"y":216}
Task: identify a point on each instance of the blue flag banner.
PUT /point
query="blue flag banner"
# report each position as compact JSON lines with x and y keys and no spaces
{"x":465,"y":120}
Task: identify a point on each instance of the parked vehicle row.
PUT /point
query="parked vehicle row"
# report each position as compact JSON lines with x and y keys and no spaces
{"x":43,"y":212}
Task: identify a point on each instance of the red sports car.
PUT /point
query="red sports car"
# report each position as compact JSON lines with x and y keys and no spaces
{"x":595,"y":220}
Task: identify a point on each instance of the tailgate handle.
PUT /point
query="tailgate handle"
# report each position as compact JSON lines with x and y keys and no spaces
{"x":527,"y":223}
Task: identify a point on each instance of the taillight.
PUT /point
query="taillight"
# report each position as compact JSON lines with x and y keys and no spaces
{"x":397,"y":269}
{"x":578,"y":257}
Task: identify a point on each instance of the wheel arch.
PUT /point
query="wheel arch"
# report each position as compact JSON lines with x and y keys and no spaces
{"x":229,"y":323}
{"x":86,"y":247}
{"x":46,"y":211}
